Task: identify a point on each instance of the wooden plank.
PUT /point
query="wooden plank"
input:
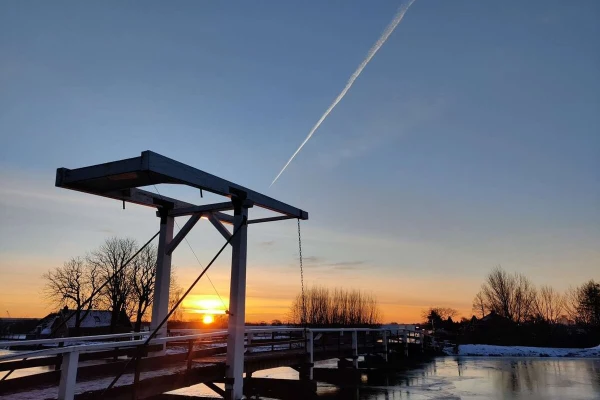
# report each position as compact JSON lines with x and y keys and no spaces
{"x":207,"y":208}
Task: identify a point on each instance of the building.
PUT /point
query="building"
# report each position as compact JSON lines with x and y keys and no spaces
{"x":94,"y":322}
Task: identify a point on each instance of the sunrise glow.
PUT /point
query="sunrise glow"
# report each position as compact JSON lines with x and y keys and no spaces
{"x":208,"y":319}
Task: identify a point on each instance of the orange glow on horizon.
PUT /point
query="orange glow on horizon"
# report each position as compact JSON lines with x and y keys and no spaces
{"x":208,"y":319}
{"x":203,"y":304}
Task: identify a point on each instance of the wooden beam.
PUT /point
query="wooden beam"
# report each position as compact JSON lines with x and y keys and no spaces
{"x":185,"y":229}
{"x":271,"y":219}
{"x":217,"y":224}
{"x":207,"y":208}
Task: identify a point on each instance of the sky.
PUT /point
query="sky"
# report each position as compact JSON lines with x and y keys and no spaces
{"x":471,"y":140}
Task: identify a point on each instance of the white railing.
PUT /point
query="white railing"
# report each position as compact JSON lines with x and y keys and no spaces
{"x":71,"y":353}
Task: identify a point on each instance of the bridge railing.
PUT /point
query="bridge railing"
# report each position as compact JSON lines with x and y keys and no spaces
{"x":269,"y":338}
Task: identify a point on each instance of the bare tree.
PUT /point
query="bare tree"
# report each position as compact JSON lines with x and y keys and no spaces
{"x":71,"y":285}
{"x":498,"y":292}
{"x":583,"y":303}
{"x":141,"y":277}
{"x":175,"y":293}
{"x":523,"y":299}
{"x":108,"y":259}
{"x":479,"y":306}
{"x":338,"y":307}
{"x":549,"y":304}
{"x":509,"y":295}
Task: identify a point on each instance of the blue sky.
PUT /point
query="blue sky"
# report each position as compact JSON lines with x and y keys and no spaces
{"x":470,"y":140}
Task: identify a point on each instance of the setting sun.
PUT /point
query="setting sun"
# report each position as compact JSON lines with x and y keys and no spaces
{"x":204,"y":304}
{"x":208,"y":319}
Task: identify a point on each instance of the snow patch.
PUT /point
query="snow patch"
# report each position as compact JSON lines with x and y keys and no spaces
{"x":489,"y":350}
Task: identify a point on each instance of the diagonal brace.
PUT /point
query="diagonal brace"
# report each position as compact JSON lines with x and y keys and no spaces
{"x":215,"y":388}
{"x":182,"y":233}
{"x":220,"y":227}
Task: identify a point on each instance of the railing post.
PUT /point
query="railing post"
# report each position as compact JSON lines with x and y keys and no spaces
{"x":385,"y":346}
{"x":311,"y":355}
{"x":68,"y":376}
{"x":355,"y":349}
{"x":190,"y":354}
{"x":405,"y":339}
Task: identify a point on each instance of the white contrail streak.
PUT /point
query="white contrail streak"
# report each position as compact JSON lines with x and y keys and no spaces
{"x":386,"y":34}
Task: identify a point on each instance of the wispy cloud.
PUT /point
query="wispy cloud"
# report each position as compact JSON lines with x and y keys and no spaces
{"x":383,"y":128}
{"x":267,"y":243}
{"x":319,"y":262}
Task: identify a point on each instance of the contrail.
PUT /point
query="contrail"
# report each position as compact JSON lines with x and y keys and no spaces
{"x":386,"y":34}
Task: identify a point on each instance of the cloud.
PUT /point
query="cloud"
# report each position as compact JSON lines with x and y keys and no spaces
{"x":319,"y":262}
{"x":384,"y":127}
{"x":267,"y":243}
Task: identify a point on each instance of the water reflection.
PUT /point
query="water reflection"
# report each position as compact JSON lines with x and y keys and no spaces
{"x":479,"y":378}
{"x":466,"y":378}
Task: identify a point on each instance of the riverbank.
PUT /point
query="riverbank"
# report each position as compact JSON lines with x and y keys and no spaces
{"x":487,"y":350}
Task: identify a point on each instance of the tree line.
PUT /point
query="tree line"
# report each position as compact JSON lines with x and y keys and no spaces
{"x":337,"y":307}
{"x":129,"y":292}
{"x":515,"y":297}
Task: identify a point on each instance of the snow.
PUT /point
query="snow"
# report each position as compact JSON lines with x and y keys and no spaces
{"x":488,"y":350}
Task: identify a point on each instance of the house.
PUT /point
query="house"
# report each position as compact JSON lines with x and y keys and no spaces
{"x":94,"y":322}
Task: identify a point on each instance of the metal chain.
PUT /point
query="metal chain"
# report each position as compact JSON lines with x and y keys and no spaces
{"x":303,"y":317}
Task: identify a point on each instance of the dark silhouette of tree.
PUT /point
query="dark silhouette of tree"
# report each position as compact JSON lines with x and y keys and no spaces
{"x":339,"y":307}
{"x":479,"y":306}
{"x":141,"y":277}
{"x":71,"y":285}
{"x":108,"y":259}
{"x":511,"y":296}
{"x":175,"y":293}
{"x":549,"y":304}
{"x":583,"y":303}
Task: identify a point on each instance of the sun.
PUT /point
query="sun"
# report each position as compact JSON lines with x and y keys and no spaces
{"x":208,"y":319}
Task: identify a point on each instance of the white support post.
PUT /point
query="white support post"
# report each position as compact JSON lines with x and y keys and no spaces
{"x":311,"y":354}
{"x":68,"y":376}
{"x":237,"y":306}
{"x":160,"y":305}
{"x":385,"y":346}
{"x":355,"y":349}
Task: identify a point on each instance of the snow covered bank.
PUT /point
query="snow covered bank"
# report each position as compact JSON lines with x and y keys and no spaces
{"x":520,"y":351}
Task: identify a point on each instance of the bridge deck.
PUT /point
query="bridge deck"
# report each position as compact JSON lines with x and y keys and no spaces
{"x":166,"y":373}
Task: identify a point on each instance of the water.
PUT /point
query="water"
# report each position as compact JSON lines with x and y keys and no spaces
{"x":481,"y":378}
{"x":471,"y":378}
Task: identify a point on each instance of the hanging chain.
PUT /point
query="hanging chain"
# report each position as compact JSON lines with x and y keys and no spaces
{"x":303,"y":316}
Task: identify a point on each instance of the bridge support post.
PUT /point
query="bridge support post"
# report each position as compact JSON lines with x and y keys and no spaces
{"x":68,"y":376}
{"x":234,"y":383}
{"x":385,"y":345}
{"x":405,"y":340}
{"x":160,"y":306}
{"x":355,"y":349}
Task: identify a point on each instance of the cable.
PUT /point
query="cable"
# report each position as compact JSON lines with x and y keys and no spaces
{"x":165,"y":319}
{"x":94,"y":293}
{"x":194,"y":253}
